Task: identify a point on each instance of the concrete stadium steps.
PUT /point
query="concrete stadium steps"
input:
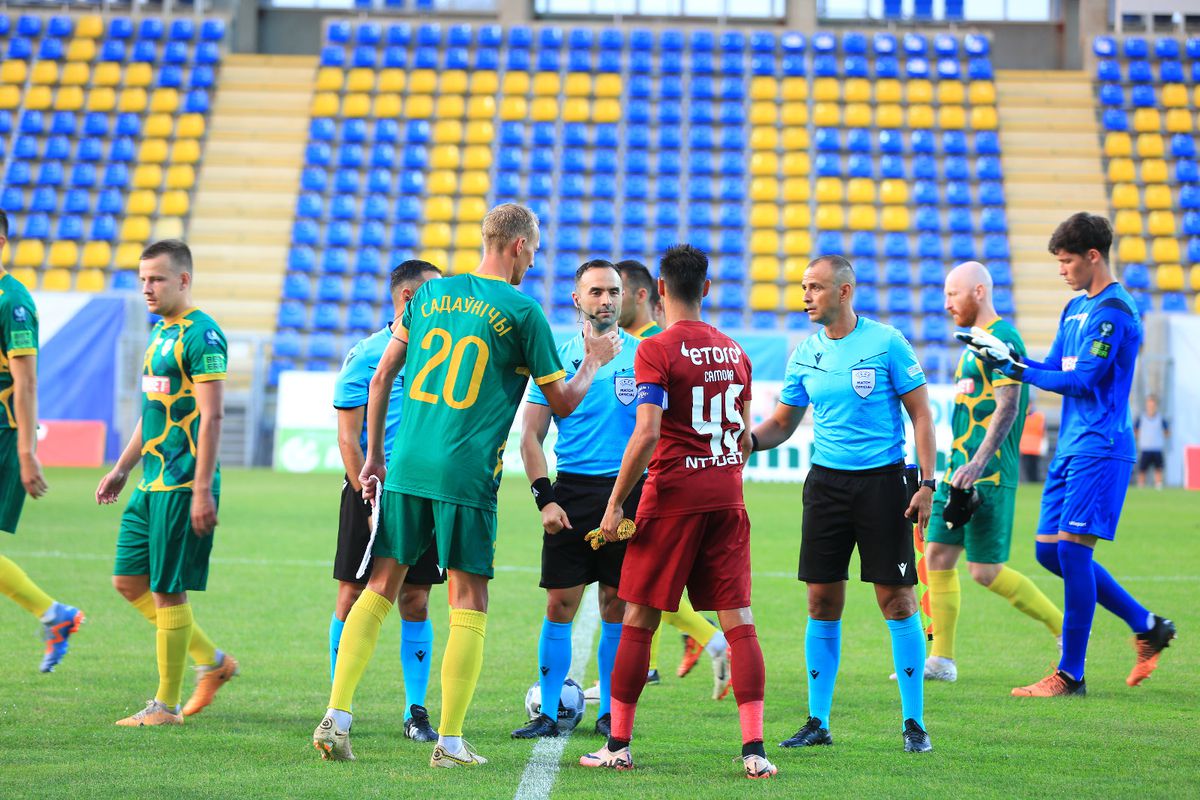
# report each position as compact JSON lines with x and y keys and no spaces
{"x":1052,"y":168}
{"x":242,"y":214}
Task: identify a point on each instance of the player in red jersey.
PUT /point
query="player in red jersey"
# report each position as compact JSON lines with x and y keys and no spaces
{"x":693,"y":383}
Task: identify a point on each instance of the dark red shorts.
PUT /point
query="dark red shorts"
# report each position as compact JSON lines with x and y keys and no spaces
{"x":708,"y":553}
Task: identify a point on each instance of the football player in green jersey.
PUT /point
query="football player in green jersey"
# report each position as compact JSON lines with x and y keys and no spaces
{"x":468,"y":344}
{"x":640,"y":308}
{"x":20,"y":470}
{"x":167,"y":529}
{"x":989,"y":415}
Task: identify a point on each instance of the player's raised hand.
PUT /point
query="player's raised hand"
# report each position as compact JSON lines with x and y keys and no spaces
{"x":110,"y":487}
{"x":31,"y":476}
{"x":371,"y":478}
{"x":204,"y":514}
{"x":604,"y":348}
{"x":554,"y":518}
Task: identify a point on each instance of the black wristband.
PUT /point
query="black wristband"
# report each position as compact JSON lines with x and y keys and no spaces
{"x":543,"y":492}
{"x":753,"y":442}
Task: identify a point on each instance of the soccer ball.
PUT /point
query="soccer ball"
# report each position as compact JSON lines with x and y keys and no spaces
{"x":570,"y":705}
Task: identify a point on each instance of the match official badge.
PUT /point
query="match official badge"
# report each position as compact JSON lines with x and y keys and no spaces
{"x":625,"y":389}
{"x":863,"y":381}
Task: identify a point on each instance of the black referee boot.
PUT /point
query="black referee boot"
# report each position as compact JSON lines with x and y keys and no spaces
{"x":539,"y":726}
{"x":811,"y":734}
{"x":916,"y":740}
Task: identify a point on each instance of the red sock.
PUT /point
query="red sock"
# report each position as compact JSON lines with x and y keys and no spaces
{"x":629,"y":678}
{"x":749,"y":680}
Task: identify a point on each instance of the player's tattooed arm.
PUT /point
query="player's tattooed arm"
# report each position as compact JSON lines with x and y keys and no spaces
{"x":374,"y":471}
{"x":1008,"y":399}
{"x":210,"y":402}
{"x":565,"y":396}
{"x":24,"y":377}
{"x":111,"y":484}
{"x":778,"y":428}
{"x":633,"y":466}
{"x":535,"y":424}
{"x":916,"y":403}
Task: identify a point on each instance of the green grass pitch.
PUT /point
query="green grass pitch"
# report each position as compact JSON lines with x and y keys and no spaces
{"x":270,"y":597}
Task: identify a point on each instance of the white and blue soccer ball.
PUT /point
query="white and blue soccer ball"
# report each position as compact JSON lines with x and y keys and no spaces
{"x":570,"y":705}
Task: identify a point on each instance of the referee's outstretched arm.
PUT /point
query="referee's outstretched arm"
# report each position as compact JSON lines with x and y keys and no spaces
{"x":777,"y":428}
{"x":916,"y":403}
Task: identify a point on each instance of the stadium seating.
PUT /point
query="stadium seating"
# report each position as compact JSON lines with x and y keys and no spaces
{"x":109,"y":121}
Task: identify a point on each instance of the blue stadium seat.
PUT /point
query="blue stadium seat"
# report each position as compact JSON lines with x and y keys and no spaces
{"x":51,"y":50}
{"x":316,"y":154}
{"x":604,"y":185}
{"x":1191,"y":224}
{"x":866,"y":299}
{"x":954,"y":143}
{"x":406,"y":235}
{"x":110,"y":201}
{"x":866,"y":270}
{"x":83,"y":176}
{"x":37,"y":226}
{"x":934,"y":327}
{"x":354,"y":130}
{"x":895,"y":245}
{"x":50,"y":174}
{"x":924,"y":167}
{"x":927,"y":219}
{"x":170,"y":77}
{"x":763,"y":64}
{"x":862,"y":244}
{"x":884,"y":43}
{"x":1001,"y":273}
{"x":1135,"y":276}
{"x":45,"y":200}
{"x":603,"y":212}
{"x":346,"y":181}
{"x":26,"y":148}
{"x":1189,"y":196}
{"x":1170,"y":72}
{"x":930,"y":271}
{"x":1186,"y":171}
{"x":120,"y":28}
{"x":371,"y":234}
{"x":634,"y":214}
{"x":702,"y":63}
{"x":825,"y":66}
{"x":916,"y":68}
{"x":828,"y":165}
{"x":611,"y":39}
{"x":931,"y":299}
{"x":331,"y":289}
{"x":327,"y":316}
{"x":336,"y":260}
{"x":925,"y":193}
{"x":579,"y":61}
{"x":945,"y":45}
{"x":891,"y":141}
{"x":1003,"y":299}
{"x":958,"y":193}
{"x":794,"y":67}
{"x":962,"y":247}
{"x":1139,"y":72}
{"x":637,"y":187}
{"x":993,"y":220}
{"x":830,"y":242}
{"x":302,"y":259}
{"x":915,"y":44}
{"x":309,"y":205}
{"x":361,"y":315}
{"x":1136,"y":47}
{"x":1104,"y":47}
{"x":12,"y":200}
{"x":1174,"y":303}
{"x":296,"y":286}
{"x":112,"y":51}
{"x":1192,"y":46}
{"x":991,"y":193}
{"x":958,"y":220}
{"x":701,"y":163}
{"x":891,"y":166}
{"x":104,"y":228}
{"x":1183,"y":146}
{"x":1141,"y":96}
{"x":899,"y":300}
{"x":923,"y":141}
{"x":641,"y":62}
{"x":987,"y":143}
{"x":947,"y":69}
{"x":929,"y":245}
{"x":77,"y":201}
{"x":854,"y":43}
{"x":332,"y":56}
{"x":955,"y":169}
{"x":633,"y":240}
{"x":20,"y":49}
{"x":292,"y":314}
{"x":306,"y":232}
{"x":987,"y":168}
{"x":980,"y":69}
{"x":860,"y":166}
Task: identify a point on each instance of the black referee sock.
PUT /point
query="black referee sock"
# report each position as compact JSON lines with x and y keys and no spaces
{"x":753,"y":749}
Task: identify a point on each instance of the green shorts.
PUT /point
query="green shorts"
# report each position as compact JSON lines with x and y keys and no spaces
{"x":12,"y":491}
{"x":988,"y":536}
{"x":465,"y":535}
{"x":156,"y":539}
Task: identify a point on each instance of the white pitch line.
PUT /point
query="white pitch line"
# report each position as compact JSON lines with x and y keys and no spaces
{"x":542,"y":768}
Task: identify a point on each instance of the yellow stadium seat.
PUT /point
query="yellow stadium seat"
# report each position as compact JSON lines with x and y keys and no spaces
{"x":138,"y":76}
{"x":764,"y":297}
{"x":1168,"y":277}
{"x":14,"y":73}
{"x":1132,"y":249}
{"x":185,"y":151}
{"x":356,"y":106}
{"x":38,"y":98}
{"x":793,"y":269}
{"x":764,"y":87}
{"x":546,"y":84}
{"x":1161,"y":223}
{"x":128,"y":254}
{"x":794,"y":114}
{"x":101,"y":99}
{"x":544,"y":109}
{"x":360,"y":79}
{"x":895,"y":218}
{"x":450,"y":106}
{"x":888,"y":91}
{"x":445,"y":156}
{"x":1154,"y":170}
{"x":472,"y":209}
{"x":863,"y":218}
{"x":609,"y":85}
{"x":1196,"y":96}
{"x":888,"y":116}
{"x":1157,"y":196}
{"x":435,"y":255}
{"x":477,"y":157}
{"x":45,"y":73}
{"x":514,"y":109}
{"x":983,"y":118}
{"x":857,"y":90}
{"x":418,"y":106}
{"x":764,"y":112}
{"x":1128,"y":222}
{"x":1179,"y":120}
{"x":982,"y":93}
{"x":106,"y":74}
{"x":764,"y":268}
{"x":793,"y":298}
{"x":764,"y":215}
{"x":439,"y":209}
{"x":1165,"y":251}
{"x":10,"y":97}
{"x":860,"y":190}
{"x":796,"y":164}
{"x":952,"y":118}
{"x":89,"y":26}
{"x":422,"y":81}
{"x":763,"y":137}
{"x":64,"y":255}
{"x":1117,"y":144}
{"x":1174,"y":95}
{"x":464,"y":262}
{"x":858,"y":115}
{"x":792,"y":89}
{"x":453,"y":81}
{"x":797,"y":216}
{"x":142,"y":202}
{"x":826,"y":90}
{"x":830,"y":190}
{"x":795,"y":190}
{"x":152,"y":151}
{"x":482,"y":107}
{"x":56,"y":280}
{"x":485,"y":81}
{"x":181,"y":176}
{"x":764,"y":163}
{"x":830,"y":218}
{"x":480,"y":131}
{"x":391,"y":80}
{"x":606,"y":110}
{"x":330,"y":79}
{"x":191,"y":126}
{"x":164,"y":101}
{"x":797,"y":243}
{"x":28,"y":277}
{"x":576,"y":109}
{"x":167,"y":228}
{"x":97,"y":255}
{"x":70,"y":98}
{"x":447,"y":131}
{"x":920,"y":117}
{"x":147,"y":176}
{"x":1120,"y":170}
{"x":827,"y":115}
{"x":475,"y":183}
{"x":764,"y":242}
{"x":951,"y":93}
{"x":918,"y":91}
{"x":386,"y":106}
{"x":893,"y":190}
{"x":1147,"y":120}
{"x":436,"y":234}
{"x":174,"y":204}
{"x":158,"y":126}
{"x":324,"y":104}
{"x":579,"y":84}
{"x":516,"y":83}
{"x":442,"y":182}
{"x":468,"y":236}
{"x":135,"y":228}
{"x":89,"y":280}
{"x":795,"y":138}
{"x":1194,"y":280}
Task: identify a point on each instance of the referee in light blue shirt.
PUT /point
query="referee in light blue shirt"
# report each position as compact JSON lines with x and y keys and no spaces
{"x":590,"y":445}
{"x":856,"y":373}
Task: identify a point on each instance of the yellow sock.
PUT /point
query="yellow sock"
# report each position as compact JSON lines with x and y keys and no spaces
{"x":944,"y":602}
{"x":1020,"y":591}
{"x":654,"y":646}
{"x":24,"y":592}
{"x":358,"y":644}
{"x":460,"y":667}
{"x":174,"y":633}
{"x":202,"y":650}
{"x":689,"y":620}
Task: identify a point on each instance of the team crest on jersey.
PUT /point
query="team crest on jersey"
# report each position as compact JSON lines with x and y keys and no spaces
{"x":167,"y":345}
{"x":863,"y":381}
{"x":20,"y":314}
{"x":210,"y":336}
{"x":1106,"y":328}
{"x":626,"y":389}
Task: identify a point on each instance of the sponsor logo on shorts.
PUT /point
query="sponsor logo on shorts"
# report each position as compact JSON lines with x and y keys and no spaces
{"x":1075,"y":524}
{"x":625,"y":389}
{"x":863,"y":381}
{"x":903,"y":565}
{"x":156,"y":384}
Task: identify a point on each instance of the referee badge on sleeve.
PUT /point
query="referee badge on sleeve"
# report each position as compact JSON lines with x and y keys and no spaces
{"x":863,"y":381}
{"x":625,"y":388}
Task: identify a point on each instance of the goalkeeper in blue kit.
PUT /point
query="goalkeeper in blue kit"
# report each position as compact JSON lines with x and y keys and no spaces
{"x":1091,"y":364}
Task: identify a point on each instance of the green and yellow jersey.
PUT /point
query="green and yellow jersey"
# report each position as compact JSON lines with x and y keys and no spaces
{"x":974,"y":405}
{"x":183,"y":351}
{"x":473,"y":343}
{"x":646,"y":331}
{"x":18,"y":337}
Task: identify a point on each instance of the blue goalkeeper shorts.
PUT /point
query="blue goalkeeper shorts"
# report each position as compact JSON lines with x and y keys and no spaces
{"x":1084,"y":495}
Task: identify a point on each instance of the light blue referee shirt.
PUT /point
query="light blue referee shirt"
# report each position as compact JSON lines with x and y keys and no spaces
{"x":354,"y":383}
{"x":854,"y":385}
{"x":592,"y":440}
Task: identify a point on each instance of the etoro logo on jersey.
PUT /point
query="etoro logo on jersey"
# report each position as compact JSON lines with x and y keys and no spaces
{"x":709,"y":419}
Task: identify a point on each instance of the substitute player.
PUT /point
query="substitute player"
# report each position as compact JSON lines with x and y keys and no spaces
{"x":354,"y":528}
{"x":639,"y":301}
{"x":1091,"y":364}
{"x":20,"y":470}
{"x":166,"y":532}
{"x":475,"y":341}
{"x":856,"y":373}
{"x":693,"y":383}
{"x":988,"y":419}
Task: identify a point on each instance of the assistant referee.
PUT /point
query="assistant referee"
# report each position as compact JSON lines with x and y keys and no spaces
{"x":856,"y":373}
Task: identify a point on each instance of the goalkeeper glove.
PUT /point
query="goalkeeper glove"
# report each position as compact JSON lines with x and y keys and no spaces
{"x":960,"y":507}
{"x":992,"y":351}
{"x":624,"y":531}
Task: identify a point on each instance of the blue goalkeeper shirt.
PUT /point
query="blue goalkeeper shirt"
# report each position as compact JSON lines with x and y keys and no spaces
{"x":1091,"y":365}
{"x":354,"y":384}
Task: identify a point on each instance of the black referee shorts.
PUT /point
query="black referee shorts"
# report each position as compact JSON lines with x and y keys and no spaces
{"x":354,"y":532}
{"x":864,"y":508}
{"x":567,"y":559}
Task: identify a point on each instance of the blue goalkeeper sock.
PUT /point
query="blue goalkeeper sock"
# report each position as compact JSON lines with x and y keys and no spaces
{"x":335,"y":638}
{"x":822,"y":653}
{"x":1109,"y":593}
{"x":416,"y":657}
{"x":1079,"y":583}
{"x":908,"y":654}
{"x":554,"y":662}
{"x":606,"y":655}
